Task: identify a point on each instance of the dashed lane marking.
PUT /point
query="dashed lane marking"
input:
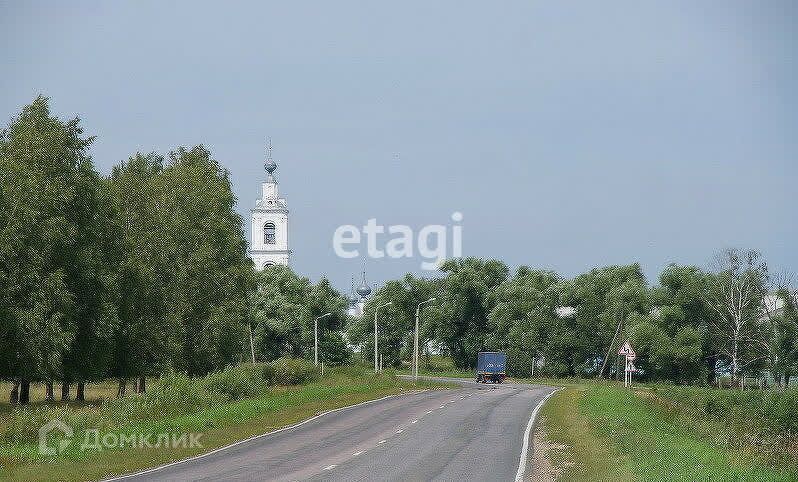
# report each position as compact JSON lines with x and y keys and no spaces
{"x":329,"y":467}
{"x":399,"y":431}
{"x":382,"y":441}
{"x":414,"y":421}
{"x":357,"y":453}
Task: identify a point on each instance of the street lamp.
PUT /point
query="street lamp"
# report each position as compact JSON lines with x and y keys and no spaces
{"x":415,"y":340}
{"x":316,"y":337}
{"x":376,"y":366}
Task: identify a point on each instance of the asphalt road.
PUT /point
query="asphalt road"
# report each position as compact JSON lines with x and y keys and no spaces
{"x":471,"y":433}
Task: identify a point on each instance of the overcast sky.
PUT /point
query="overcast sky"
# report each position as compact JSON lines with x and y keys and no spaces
{"x":569,"y":135}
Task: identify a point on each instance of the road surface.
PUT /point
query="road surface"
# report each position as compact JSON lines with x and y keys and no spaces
{"x":471,"y":433}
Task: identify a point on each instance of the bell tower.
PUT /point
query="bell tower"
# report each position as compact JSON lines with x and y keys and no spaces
{"x":269,"y":244}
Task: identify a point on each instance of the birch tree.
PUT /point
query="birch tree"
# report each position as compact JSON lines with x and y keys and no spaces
{"x":735,"y":295}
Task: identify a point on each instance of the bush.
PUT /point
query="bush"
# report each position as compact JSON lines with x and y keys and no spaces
{"x":173,"y":394}
{"x":763,"y":419}
{"x":239,"y":382}
{"x":292,"y":371}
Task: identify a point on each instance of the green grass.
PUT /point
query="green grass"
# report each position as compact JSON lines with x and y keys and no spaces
{"x":575,"y":449}
{"x":220,"y":424}
{"x":604,"y":432}
{"x":453,"y":373}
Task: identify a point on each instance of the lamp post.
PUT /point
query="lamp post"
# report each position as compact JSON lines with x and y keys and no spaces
{"x":376,"y":365}
{"x":415,"y":340}
{"x":316,"y":337}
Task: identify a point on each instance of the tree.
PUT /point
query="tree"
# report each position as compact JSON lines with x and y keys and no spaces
{"x":781,"y":327}
{"x":522,"y":318}
{"x":279,"y":314}
{"x":680,"y":310}
{"x":206,"y":254}
{"x":44,"y":173}
{"x":397,"y":320}
{"x":148,"y":333}
{"x":735,"y":295}
{"x":284,"y":306}
{"x":603,"y":299}
{"x":468,"y":297}
{"x":92,"y":278}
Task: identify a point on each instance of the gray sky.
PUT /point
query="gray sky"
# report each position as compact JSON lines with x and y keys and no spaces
{"x":570,"y":135}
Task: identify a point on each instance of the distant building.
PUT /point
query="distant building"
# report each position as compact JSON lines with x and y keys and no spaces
{"x":269,"y":244}
{"x":773,"y":304}
{"x":357,"y":303}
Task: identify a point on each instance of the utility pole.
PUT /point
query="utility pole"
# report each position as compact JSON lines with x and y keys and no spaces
{"x":316,"y":337}
{"x":376,"y":366}
{"x":415,"y":340}
{"x":251,"y":343}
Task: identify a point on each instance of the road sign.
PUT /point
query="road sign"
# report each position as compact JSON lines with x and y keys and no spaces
{"x":626,"y":350}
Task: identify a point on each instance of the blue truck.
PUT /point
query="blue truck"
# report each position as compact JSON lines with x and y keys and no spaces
{"x":491,"y":366}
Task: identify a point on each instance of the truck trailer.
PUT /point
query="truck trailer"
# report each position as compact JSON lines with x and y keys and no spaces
{"x":491,"y":366}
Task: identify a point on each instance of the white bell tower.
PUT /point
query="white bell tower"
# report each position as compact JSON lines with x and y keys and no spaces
{"x":269,"y":223}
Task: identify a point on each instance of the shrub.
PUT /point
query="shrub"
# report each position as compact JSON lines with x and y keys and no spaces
{"x":292,"y":371}
{"x":765,"y":420}
{"x":238,"y":382}
{"x":173,"y":394}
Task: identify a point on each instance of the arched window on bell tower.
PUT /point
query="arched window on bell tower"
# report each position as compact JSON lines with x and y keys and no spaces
{"x":269,"y":233}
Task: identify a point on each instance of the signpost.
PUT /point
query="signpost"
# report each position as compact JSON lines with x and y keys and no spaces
{"x":627,"y":351}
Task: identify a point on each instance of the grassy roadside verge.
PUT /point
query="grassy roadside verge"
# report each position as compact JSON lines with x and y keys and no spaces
{"x":573,"y":450}
{"x":220,"y":425}
{"x":601,"y":431}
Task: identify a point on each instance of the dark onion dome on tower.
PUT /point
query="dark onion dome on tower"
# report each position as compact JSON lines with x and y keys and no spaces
{"x":270,"y":166}
{"x":353,"y":299}
{"x":364,"y":289}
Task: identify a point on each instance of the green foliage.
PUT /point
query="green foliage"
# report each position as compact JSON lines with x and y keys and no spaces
{"x":242,"y":381}
{"x":172,"y":395}
{"x":521,"y":320}
{"x":664,"y":446}
{"x":468,"y":296}
{"x":282,"y":310}
{"x":291,"y":371}
{"x":209,"y":272}
{"x":397,"y":320}
{"x":50,"y":280}
{"x":765,"y":420}
{"x":603,"y":298}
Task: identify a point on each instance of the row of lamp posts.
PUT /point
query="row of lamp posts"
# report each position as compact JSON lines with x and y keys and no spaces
{"x":364,"y":291}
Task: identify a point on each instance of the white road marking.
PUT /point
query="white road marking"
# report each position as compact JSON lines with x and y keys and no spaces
{"x":441,"y":406}
{"x":357,"y":453}
{"x":329,"y":467}
{"x":414,"y":421}
{"x":382,"y":441}
{"x":525,"y":448}
{"x":429,"y":412}
{"x":399,"y":431}
{"x":290,"y":427}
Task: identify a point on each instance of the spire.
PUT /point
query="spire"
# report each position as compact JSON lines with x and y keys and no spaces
{"x":269,"y":164}
{"x":353,"y":299}
{"x":364,"y":289}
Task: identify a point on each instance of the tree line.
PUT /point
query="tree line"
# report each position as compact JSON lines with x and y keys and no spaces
{"x":145,"y":270}
{"x":136,"y":273}
{"x":692,"y":326}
